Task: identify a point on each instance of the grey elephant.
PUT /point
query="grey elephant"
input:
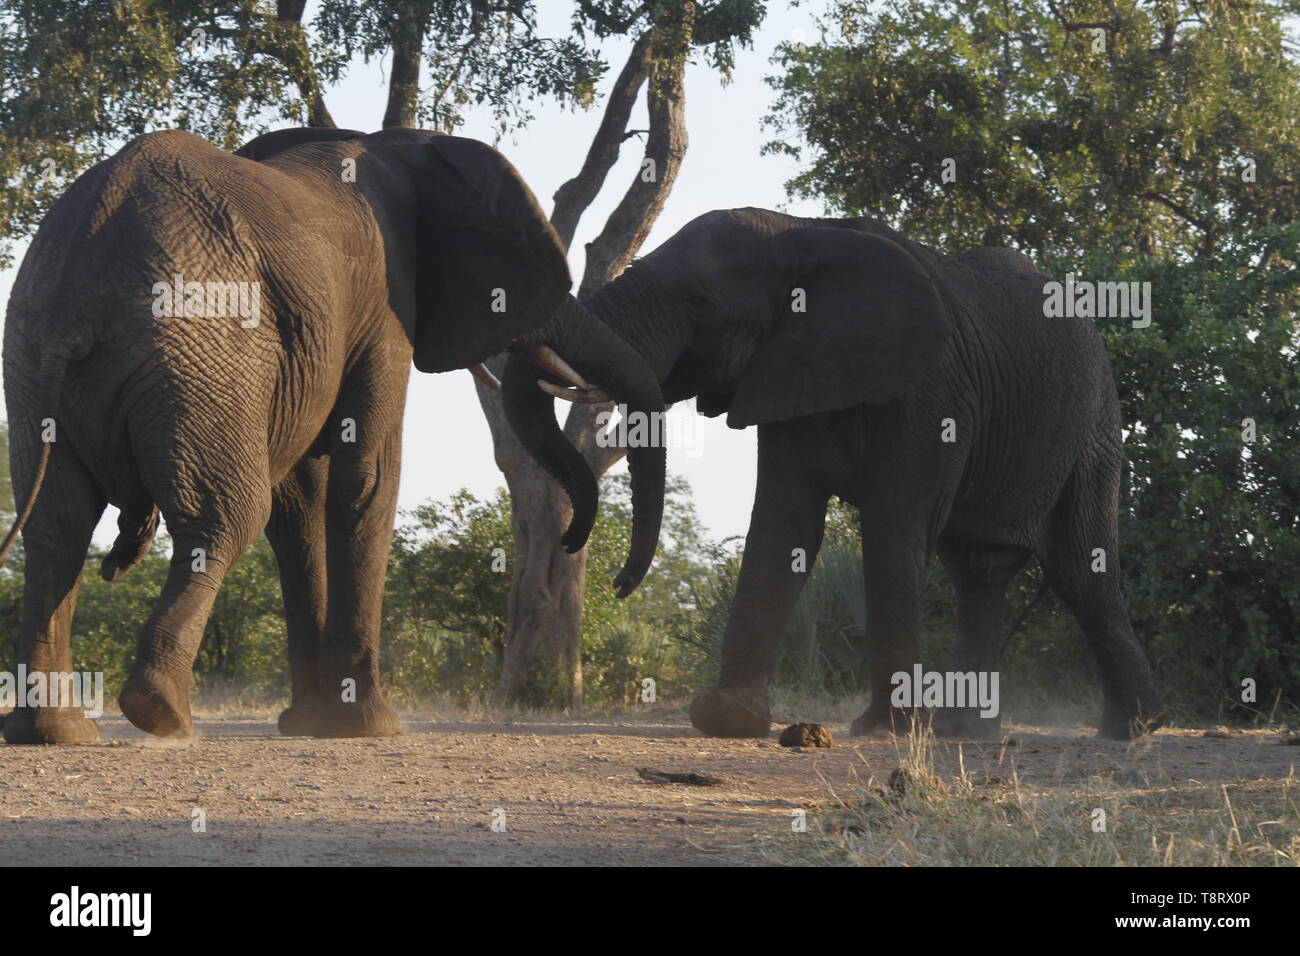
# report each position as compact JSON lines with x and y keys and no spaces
{"x":929,"y":391}
{"x":225,"y":340}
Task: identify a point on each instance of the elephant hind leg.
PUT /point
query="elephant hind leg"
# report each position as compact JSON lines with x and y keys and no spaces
{"x":894,"y":560}
{"x":297,"y":535}
{"x":1082,"y":565}
{"x":214,"y":511}
{"x":156,"y":696}
{"x":980,"y":575}
{"x":360,"y":503}
{"x":55,"y":540}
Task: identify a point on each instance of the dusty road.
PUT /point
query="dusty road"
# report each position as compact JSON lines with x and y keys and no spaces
{"x":569,"y":790}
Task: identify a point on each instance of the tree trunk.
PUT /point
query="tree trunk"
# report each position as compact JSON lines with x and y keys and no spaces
{"x":543,"y":664}
{"x":543,"y":658}
{"x":407,"y":36}
{"x":543,"y":654}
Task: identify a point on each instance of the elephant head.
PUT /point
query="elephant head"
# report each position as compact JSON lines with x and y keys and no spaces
{"x":753,"y":313}
{"x":473,"y":261}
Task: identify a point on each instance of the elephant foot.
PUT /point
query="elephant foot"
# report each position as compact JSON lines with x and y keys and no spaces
{"x":1130,"y":719}
{"x":896,"y":720}
{"x":372,"y":717}
{"x":156,"y":705}
{"x":965,"y":723}
{"x":731,"y":713}
{"x":299,"y":720}
{"x":49,"y":725}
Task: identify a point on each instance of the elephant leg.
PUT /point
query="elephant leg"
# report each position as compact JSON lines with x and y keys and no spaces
{"x":216,"y":498}
{"x":785,"y":534}
{"x":894,"y":558}
{"x":297,"y":535}
{"x":980,"y":576}
{"x":1084,"y":521}
{"x":55,"y":540}
{"x":365,"y":459}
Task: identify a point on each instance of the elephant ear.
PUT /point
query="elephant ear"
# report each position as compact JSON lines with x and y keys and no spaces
{"x":873,"y":324}
{"x":491,"y":267}
{"x":269,"y":144}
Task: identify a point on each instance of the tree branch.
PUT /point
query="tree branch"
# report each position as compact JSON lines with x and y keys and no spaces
{"x":1176,"y":207}
{"x":287,"y":42}
{"x":573,"y":198}
{"x":1072,"y":25}
{"x":630,"y":222}
{"x":605,"y":22}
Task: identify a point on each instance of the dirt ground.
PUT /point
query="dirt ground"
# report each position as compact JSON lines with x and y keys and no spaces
{"x":569,"y":790}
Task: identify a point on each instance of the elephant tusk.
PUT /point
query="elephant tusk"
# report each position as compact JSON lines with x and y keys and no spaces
{"x":547,"y":359}
{"x":485,"y":377}
{"x":585,"y":396}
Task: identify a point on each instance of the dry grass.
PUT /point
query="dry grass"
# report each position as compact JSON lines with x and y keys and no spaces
{"x":917,"y":818}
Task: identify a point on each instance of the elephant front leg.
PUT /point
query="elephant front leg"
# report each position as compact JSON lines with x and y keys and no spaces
{"x":365,"y":458}
{"x":785,"y":533}
{"x":297,"y":534}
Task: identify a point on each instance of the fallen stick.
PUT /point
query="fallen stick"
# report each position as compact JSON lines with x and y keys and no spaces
{"x":692,"y":778}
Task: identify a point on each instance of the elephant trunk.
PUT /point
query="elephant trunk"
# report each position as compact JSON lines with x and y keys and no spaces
{"x":606,"y":360}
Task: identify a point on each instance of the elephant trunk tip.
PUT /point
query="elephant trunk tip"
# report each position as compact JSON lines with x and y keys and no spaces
{"x":626,"y":583}
{"x":575,"y":538}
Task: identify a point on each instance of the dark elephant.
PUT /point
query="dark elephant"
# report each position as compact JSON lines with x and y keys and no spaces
{"x":226,"y":339}
{"x":929,"y":391}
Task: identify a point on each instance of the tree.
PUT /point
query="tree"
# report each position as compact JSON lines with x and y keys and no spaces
{"x":1210,"y":517}
{"x":79,"y":76}
{"x":546,"y":598}
{"x":1058,"y":125}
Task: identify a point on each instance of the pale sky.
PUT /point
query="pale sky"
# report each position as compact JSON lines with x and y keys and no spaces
{"x":447,"y":445}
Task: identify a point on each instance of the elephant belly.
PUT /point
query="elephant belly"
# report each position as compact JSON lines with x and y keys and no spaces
{"x":1007,"y":494}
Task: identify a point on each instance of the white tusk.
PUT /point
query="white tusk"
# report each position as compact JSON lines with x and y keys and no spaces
{"x":545,"y":357}
{"x":485,"y":376}
{"x":585,"y":396}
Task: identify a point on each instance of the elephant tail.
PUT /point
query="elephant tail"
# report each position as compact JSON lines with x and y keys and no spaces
{"x":53,"y":366}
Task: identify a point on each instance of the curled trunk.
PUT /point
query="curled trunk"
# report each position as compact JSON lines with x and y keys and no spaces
{"x":604,"y":359}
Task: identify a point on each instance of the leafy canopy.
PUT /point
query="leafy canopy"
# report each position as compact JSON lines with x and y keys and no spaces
{"x":1170,"y":126}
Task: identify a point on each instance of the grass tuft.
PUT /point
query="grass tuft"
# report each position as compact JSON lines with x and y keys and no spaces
{"x":916,"y":818}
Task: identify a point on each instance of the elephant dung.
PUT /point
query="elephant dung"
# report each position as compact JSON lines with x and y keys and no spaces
{"x":804,"y":734}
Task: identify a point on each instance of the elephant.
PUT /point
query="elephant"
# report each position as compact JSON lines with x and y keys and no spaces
{"x":225,"y":340}
{"x":929,"y":391}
